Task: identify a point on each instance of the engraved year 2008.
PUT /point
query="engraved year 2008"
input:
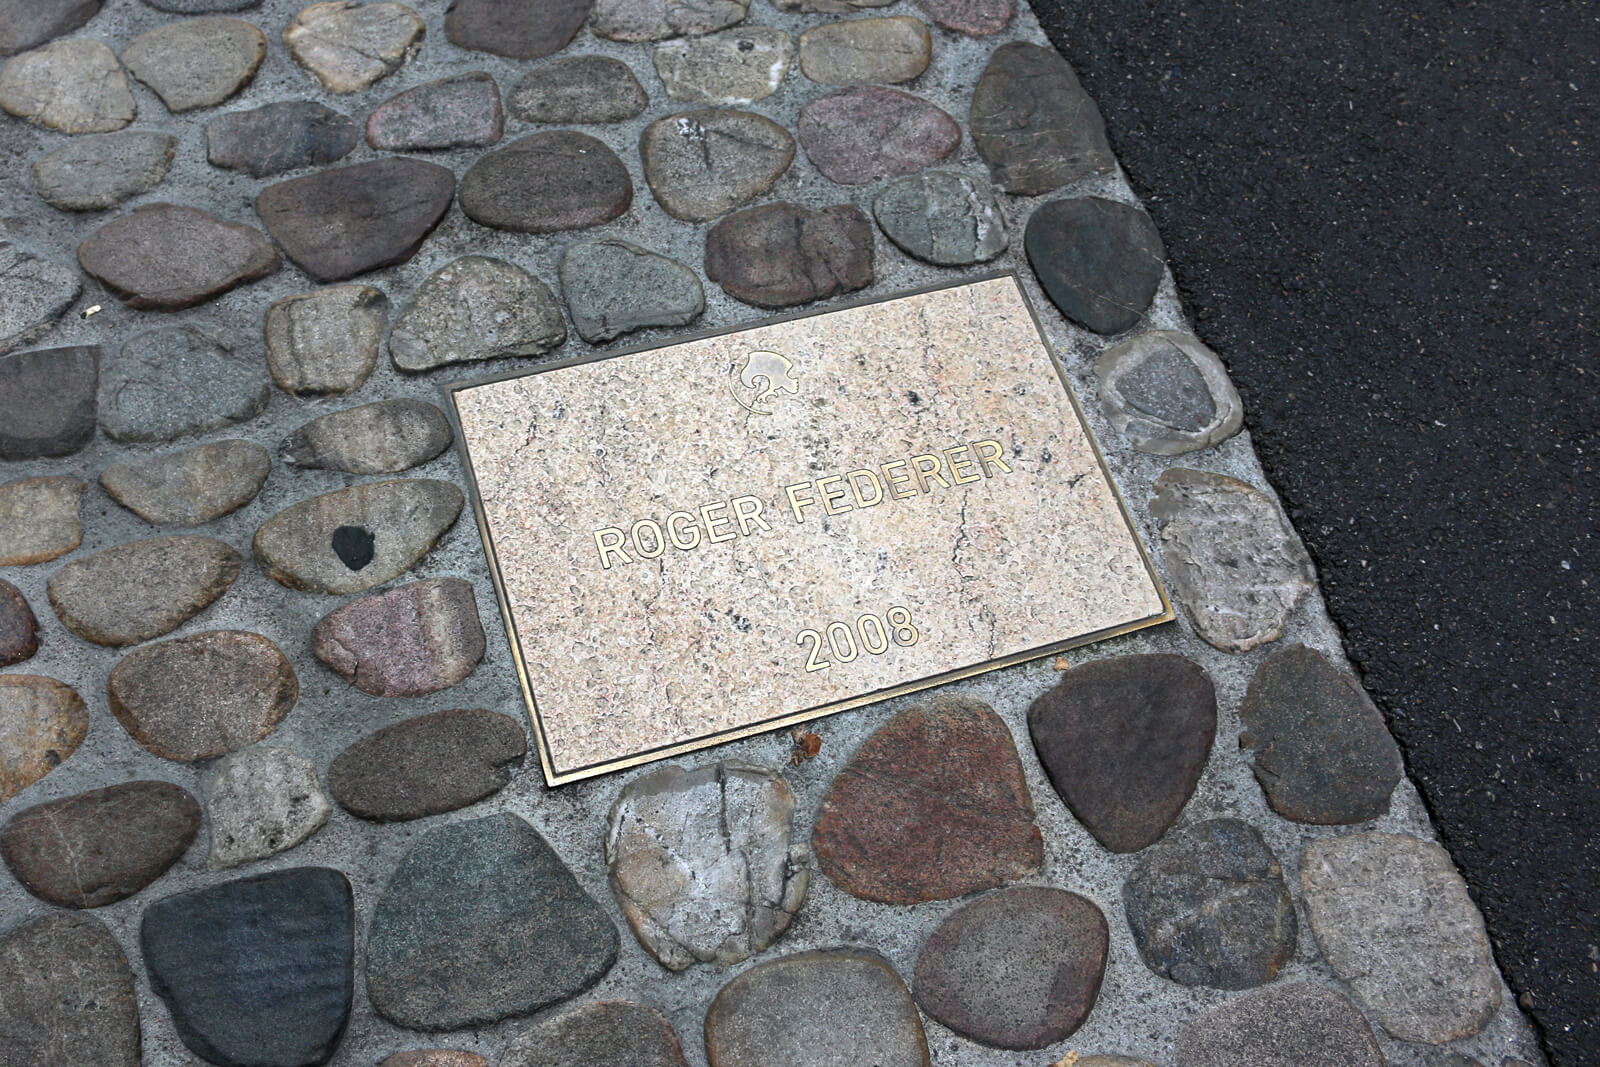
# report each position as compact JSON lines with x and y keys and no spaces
{"x":871,"y":633}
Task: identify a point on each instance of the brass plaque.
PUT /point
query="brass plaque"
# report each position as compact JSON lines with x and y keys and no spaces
{"x":753,"y":528}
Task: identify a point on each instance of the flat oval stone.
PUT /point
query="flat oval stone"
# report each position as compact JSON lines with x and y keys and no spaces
{"x":34,"y":292}
{"x":133,"y":592}
{"x":196,"y":62}
{"x":97,"y":848}
{"x":1237,"y":565}
{"x":781,"y":255}
{"x":416,"y":639}
{"x":201,"y":7}
{"x":657,"y":20}
{"x":473,"y":308}
{"x":74,"y":86}
{"x":192,"y":487}
{"x":662,"y":291}
{"x":42,"y":723}
{"x":1124,"y":741}
{"x":256,"y":970}
{"x":702,"y":164}
{"x":175,"y":381}
{"x":606,"y":1032}
{"x":26,"y":24}
{"x":351,"y":540}
{"x":1318,"y":745}
{"x":1015,"y":969}
{"x":578,"y":90}
{"x":867,"y":133}
{"x":520,"y":29}
{"x":884,"y":50}
{"x":199,"y":697}
{"x":19,"y":630}
{"x":166,"y":257}
{"x":282,"y":136}
{"x":1208,"y":906}
{"x":1099,"y":261}
{"x":943,"y":217}
{"x":547,"y":182}
{"x":480,"y":922}
{"x":932,"y":806}
{"x":326,"y":343}
{"x":461,"y":111}
{"x":39,"y":520}
{"x":1168,"y":394}
{"x":95,"y":173}
{"x":428,"y":765}
{"x":1396,"y":924}
{"x":829,"y":7}
{"x":738,"y":66}
{"x":816,"y":1009}
{"x":1033,"y":123}
{"x":260,"y":802}
{"x":975,"y":18}
{"x":437,"y":1057}
{"x":48,"y":403}
{"x":1284,"y":1025}
{"x":381,"y":438}
{"x":348,"y":46}
{"x":380,"y":212}
{"x":66,"y":989}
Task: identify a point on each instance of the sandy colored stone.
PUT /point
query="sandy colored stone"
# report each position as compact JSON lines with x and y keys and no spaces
{"x":854,"y":52}
{"x":1168,"y":393}
{"x":174,"y":381}
{"x":34,"y":293}
{"x":74,"y":86}
{"x":196,"y":62}
{"x":326,"y":343}
{"x":701,"y":164}
{"x":19,"y":629}
{"x":260,"y":802}
{"x":26,"y":24}
{"x":166,"y":257}
{"x":382,"y":438}
{"x":66,"y":995}
{"x":348,"y":46}
{"x":473,"y":308}
{"x":95,"y":173}
{"x":738,"y":66}
{"x":597,"y":1035}
{"x":578,"y":89}
{"x":520,"y":29}
{"x":427,"y":765}
{"x":137,"y":591}
{"x":405,"y":642}
{"x":192,"y":487}
{"x":657,"y":20}
{"x":42,"y":723}
{"x":39,"y":519}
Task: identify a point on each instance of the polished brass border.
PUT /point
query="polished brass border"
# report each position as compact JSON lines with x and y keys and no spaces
{"x":555,"y":777}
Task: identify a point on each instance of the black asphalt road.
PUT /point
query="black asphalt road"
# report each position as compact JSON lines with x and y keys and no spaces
{"x":1386,"y":219}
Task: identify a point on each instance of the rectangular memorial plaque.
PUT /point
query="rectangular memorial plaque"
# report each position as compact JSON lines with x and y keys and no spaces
{"x":745,"y":530}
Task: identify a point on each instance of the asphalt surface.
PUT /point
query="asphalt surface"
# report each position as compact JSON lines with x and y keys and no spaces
{"x":1386,"y":219}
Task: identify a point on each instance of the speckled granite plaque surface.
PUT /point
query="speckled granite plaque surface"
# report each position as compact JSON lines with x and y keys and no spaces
{"x":749,"y":529}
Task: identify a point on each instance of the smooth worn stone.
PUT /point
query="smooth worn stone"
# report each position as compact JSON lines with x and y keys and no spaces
{"x":1208,"y":906}
{"x":462,"y":111}
{"x":867,"y":133}
{"x":42,"y":722}
{"x":609,"y":1033}
{"x":1099,"y":261}
{"x":196,"y":62}
{"x":1033,"y":123}
{"x":175,"y":381}
{"x":476,"y":308}
{"x":781,"y":255}
{"x":428,"y":765}
{"x":260,"y":802}
{"x":398,"y":520}
{"x":416,"y":639}
{"x":34,"y":293}
{"x":382,"y":438}
{"x":278,"y":137}
{"x":26,"y":24}
{"x":1015,"y":969}
{"x":829,"y":7}
{"x":19,"y":629}
{"x":1318,"y":745}
{"x":347,"y":221}
{"x":660,"y":291}
{"x":326,"y":343}
{"x":95,"y":173}
{"x":166,"y":257}
{"x":74,"y":86}
{"x":576,"y":90}
{"x":258,"y":970}
{"x":437,"y":1057}
{"x":201,"y":7}
{"x":702,"y":164}
{"x":192,"y":487}
{"x":975,"y":18}
{"x":1395,"y":922}
{"x":482,"y":921}
{"x":1237,"y":565}
{"x":348,"y":46}
{"x":1294,"y":1025}
{"x":932,"y":806}
{"x":66,"y":995}
{"x":1111,"y":1061}
{"x":883,"y":50}
{"x":133,"y":592}
{"x":39,"y":519}
{"x":817,"y":1009}
{"x":547,"y":182}
{"x":200,"y":697}
{"x":1124,"y":741}
{"x":1168,"y":394}
{"x":97,"y":848}
{"x":48,"y":405}
{"x":943,"y":217}
{"x":520,"y":29}
{"x":702,"y":862}
{"x":738,"y":66}
{"x":657,"y":20}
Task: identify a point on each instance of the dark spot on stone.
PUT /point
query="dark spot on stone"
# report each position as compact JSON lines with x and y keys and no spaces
{"x":741,"y":624}
{"x":1045,"y":456}
{"x":354,"y":545}
{"x":911,"y":395}
{"x":747,"y":46}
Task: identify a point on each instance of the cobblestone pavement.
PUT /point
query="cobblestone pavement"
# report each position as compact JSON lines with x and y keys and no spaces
{"x":262,"y":759}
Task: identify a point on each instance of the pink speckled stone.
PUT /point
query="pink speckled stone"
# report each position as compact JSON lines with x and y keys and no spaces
{"x":416,"y":639}
{"x":869,"y":132}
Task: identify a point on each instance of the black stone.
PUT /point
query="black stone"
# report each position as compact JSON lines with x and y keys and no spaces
{"x":1099,"y":261}
{"x":355,"y":545}
{"x":280,"y":137}
{"x":48,"y":401}
{"x":1033,"y":123}
{"x":257,"y":971}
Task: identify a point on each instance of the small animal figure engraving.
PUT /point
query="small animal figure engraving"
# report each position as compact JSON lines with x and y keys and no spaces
{"x":765,"y":374}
